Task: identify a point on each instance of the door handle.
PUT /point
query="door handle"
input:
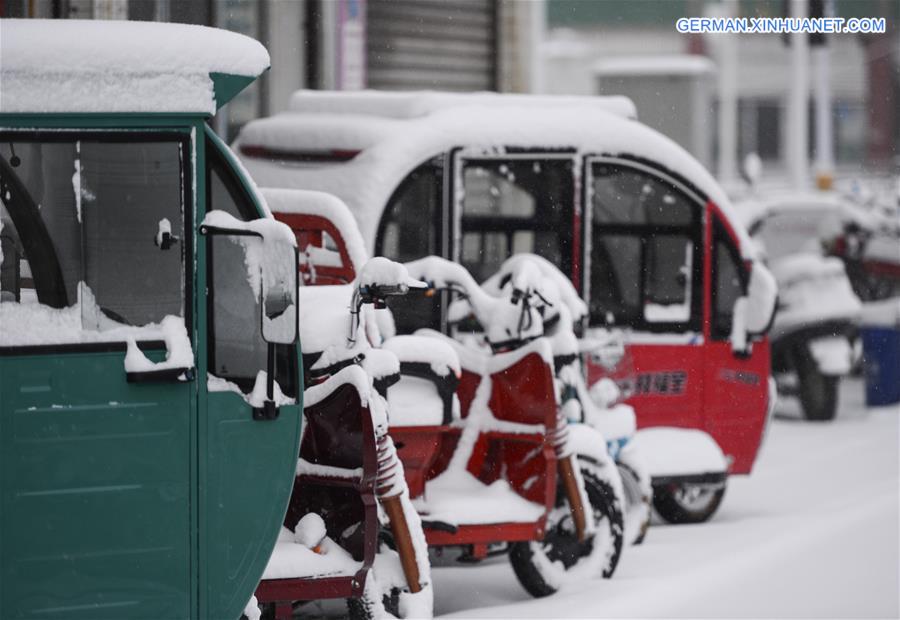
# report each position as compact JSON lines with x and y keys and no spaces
{"x":269,"y":411}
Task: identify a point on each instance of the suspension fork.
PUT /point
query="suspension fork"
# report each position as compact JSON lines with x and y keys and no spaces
{"x":566,"y":467}
{"x":389,"y":490}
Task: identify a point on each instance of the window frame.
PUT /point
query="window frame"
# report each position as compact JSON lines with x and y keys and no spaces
{"x":183,"y":138}
{"x":460,"y":155}
{"x":439,"y":164}
{"x":644,"y":232}
{"x":216,"y":156}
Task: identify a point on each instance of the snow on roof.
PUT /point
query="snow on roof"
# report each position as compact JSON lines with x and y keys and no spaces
{"x":674,"y":64}
{"x":390,"y":148}
{"x":406,"y":105}
{"x":754,"y":209}
{"x":114,"y":66}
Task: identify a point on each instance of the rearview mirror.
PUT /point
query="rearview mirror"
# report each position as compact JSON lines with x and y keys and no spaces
{"x":272,"y":263}
{"x":754,"y":312}
{"x":279,"y":293}
{"x":762,"y":298}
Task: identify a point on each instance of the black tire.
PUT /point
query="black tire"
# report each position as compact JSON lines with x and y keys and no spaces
{"x":671,"y":505}
{"x":559,"y":542}
{"x":818,"y":393}
{"x":635,"y":499}
{"x":366,"y":607}
{"x":361,"y":609}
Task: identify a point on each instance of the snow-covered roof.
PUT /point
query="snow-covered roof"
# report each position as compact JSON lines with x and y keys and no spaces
{"x":372,"y":153}
{"x":414,"y":104}
{"x":673,"y":64}
{"x":113,"y":66}
{"x":757,"y":208}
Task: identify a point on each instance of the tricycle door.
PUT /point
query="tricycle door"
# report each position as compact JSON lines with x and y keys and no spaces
{"x":644,"y":260}
{"x":248,"y":454}
{"x":737,"y":394}
{"x":95,"y":446}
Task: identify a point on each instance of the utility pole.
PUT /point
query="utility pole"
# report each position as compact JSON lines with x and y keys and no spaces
{"x":798,"y":110}
{"x":727,"y":80}
{"x":824,"y":166}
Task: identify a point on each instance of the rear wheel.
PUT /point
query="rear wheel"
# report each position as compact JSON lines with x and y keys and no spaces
{"x":818,"y":393}
{"x":687,"y":503}
{"x":543,"y":566}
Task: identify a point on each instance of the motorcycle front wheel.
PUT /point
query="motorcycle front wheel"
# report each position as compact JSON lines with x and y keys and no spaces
{"x":543,"y":566}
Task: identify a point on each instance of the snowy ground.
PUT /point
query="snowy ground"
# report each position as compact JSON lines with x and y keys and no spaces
{"x":813,"y":532}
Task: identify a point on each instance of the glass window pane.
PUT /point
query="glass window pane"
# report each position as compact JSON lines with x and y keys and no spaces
{"x":516,"y":205}
{"x":236,"y":348}
{"x":92,"y":229}
{"x":645,"y":271}
{"x":129,"y":193}
{"x":615,"y":279}
{"x":729,"y":287}
{"x":410,"y":229}
{"x":668,"y":275}
{"x":411,"y":222}
{"x":625,"y":196}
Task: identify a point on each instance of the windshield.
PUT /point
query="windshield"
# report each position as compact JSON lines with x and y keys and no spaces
{"x":794,"y":232}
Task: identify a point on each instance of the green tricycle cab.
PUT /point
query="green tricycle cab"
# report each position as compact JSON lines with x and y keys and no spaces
{"x":149,"y":422}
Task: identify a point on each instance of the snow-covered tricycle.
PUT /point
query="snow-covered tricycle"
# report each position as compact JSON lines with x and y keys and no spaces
{"x":502,"y":478}
{"x":349,"y":531}
{"x":491,"y":463}
{"x":150,"y":392}
{"x":643,"y":231}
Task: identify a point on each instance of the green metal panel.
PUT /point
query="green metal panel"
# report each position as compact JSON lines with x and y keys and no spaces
{"x":246,"y":468}
{"x":227,"y":86}
{"x":135,"y":501}
{"x":94,"y":490}
{"x":250,"y":475}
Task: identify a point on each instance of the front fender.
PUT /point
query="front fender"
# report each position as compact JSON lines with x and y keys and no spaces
{"x":589,"y":445}
{"x":670,"y":452}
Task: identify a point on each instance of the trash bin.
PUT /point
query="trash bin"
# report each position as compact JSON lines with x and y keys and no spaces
{"x":880,"y":333}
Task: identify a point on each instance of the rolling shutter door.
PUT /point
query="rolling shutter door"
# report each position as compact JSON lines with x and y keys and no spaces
{"x":435,"y":44}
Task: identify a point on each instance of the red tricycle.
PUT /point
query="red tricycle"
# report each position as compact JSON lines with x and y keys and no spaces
{"x":349,"y":486}
{"x":485,"y":452}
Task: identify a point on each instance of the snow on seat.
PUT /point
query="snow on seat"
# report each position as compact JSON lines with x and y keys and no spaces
{"x":293,"y":560}
{"x":416,"y":400}
{"x":442,"y":357}
{"x":458,"y":498}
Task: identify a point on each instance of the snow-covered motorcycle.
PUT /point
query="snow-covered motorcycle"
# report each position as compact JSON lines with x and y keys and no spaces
{"x":601,"y":407}
{"x":350,"y":530}
{"x":490,"y":459}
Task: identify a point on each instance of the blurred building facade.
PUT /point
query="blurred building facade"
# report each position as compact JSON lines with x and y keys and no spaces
{"x":460,"y":45}
{"x":585,"y":39}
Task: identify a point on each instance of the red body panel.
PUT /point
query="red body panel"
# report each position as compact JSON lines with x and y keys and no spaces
{"x":310,"y":231}
{"x":705,"y":387}
{"x":736,"y":401}
{"x":338,"y":433}
{"x":522,"y":394}
{"x":701,"y":383}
